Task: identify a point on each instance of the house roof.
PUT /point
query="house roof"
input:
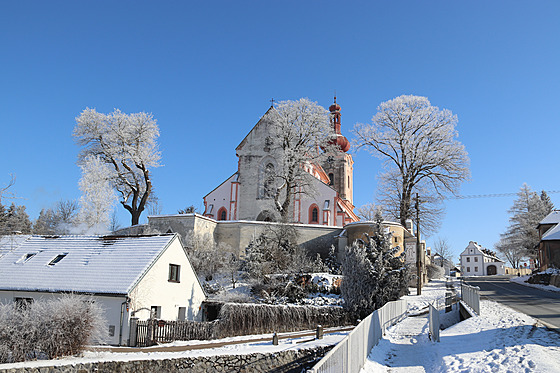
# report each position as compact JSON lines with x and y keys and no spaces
{"x":552,"y":234}
{"x":10,"y":242}
{"x":86,"y":264}
{"x":552,"y":218}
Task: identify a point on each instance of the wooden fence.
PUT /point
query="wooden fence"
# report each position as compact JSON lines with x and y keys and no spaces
{"x":151,"y":332}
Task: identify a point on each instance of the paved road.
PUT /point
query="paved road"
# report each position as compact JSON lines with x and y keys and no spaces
{"x":540,"y":304}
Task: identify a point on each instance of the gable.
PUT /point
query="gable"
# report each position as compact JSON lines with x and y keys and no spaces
{"x":256,"y":127}
{"x":87,"y":264}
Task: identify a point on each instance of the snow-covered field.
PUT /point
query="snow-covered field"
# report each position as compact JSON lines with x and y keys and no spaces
{"x":500,"y":340}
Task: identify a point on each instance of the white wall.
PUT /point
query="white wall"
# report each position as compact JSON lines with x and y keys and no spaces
{"x":155,"y":289}
{"x":110,"y":304}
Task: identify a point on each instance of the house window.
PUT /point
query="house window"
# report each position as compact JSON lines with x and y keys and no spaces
{"x":331,"y":179}
{"x":468,"y":269}
{"x":26,"y":257}
{"x":57,"y":259}
{"x":22,"y":303}
{"x":155,"y":312}
{"x":396,"y":239}
{"x":182,"y":313}
{"x":174,"y":273}
{"x":476,"y":259}
{"x":476,"y":269}
{"x":468,"y":259}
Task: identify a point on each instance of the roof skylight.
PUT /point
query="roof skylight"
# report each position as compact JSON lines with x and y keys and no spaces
{"x":57,"y":259}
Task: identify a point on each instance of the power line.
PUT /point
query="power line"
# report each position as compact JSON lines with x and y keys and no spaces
{"x":496,"y":195}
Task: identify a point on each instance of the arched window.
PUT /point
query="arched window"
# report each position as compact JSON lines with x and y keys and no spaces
{"x":222,"y":213}
{"x":331,"y":179}
{"x":313,"y":214}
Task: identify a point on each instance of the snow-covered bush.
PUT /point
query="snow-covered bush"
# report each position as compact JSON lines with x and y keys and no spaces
{"x":210,"y":259}
{"x":434,"y":271}
{"x":373,"y":274}
{"x":49,"y":329}
{"x":276,"y":251}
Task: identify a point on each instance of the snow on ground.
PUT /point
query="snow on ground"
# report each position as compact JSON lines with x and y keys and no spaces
{"x":521,"y":280}
{"x":500,"y":340}
{"x":234,"y":349}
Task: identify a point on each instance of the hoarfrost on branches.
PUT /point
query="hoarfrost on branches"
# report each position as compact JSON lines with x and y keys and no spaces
{"x":301,"y":131}
{"x":417,"y":142}
{"x":98,"y":196}
{"x":128,"y":144}
{"x":49,"y":329}
{"x":521,"y":236}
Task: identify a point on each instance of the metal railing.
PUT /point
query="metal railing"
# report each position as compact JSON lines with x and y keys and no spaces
{"x":350,"y":354}
{"x":471,"y":296}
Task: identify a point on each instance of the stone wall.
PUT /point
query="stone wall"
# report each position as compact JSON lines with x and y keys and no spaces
{"x":281,"y":361}
{"x":238,"y":234}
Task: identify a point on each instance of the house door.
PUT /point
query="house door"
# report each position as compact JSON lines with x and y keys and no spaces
{"x":491,"y":270}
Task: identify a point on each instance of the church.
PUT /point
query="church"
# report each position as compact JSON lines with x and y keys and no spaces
{"x":246,"y":195}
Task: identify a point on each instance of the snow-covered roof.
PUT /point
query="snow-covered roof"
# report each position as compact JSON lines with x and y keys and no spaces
{"x":552,"y":218}
{"x":88,"y":264}
{"x":10,"y":242}
{"x":552,"y":234}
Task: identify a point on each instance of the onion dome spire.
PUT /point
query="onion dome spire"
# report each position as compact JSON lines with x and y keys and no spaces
{"x":341,"y":141}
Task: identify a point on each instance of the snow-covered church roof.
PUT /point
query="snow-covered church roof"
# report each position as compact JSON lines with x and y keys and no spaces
{"x":85,"y":264}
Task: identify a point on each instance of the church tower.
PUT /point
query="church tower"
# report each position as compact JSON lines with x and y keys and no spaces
{"x":340,"y":166}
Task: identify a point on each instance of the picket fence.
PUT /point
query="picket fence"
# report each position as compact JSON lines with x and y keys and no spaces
{"x":350,"y":354}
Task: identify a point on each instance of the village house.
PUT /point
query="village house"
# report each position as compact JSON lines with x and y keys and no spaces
{"x":478,"y":261}
{"x":549,"y":245}
{"x":138,"y":277}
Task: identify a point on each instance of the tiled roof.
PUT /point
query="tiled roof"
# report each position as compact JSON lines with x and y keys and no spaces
{"x":92,"y":264}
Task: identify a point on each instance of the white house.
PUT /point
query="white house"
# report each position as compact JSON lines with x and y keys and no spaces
{"x":478,"y":261}
{"x":135,"y":276}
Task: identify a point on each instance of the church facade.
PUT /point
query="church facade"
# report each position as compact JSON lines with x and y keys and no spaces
{"x":246,"y":195}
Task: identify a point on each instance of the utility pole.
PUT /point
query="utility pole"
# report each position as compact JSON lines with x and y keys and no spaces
{"x":418,"y":250}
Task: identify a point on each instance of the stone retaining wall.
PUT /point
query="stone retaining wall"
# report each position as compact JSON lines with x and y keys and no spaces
{"x":282,"y":361}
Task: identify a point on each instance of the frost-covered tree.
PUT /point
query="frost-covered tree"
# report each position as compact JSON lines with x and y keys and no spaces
{"x":513,"y":252}
{"x":59,"y":219}
{"x":127,"y":144}
{"x":98,"y":196}
{"x":368,"y":211}
{"x":443,"y":249}
{"x":4,"y":191}
{"x":301,"y":133}
{"x":374,"y":273}
{"x":14,"y":219}
{"x":521,"y":236}
{"x":417,"y":142}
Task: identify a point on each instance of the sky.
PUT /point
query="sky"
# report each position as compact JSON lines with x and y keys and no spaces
{"x":208,"y":70}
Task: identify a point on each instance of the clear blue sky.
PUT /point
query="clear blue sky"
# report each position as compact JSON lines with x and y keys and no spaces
{"x":207,"y":72}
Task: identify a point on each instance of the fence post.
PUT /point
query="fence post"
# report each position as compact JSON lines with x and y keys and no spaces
{"x":319,"y":333}
{"x":133,"y":332}
{"x":275,"y":339}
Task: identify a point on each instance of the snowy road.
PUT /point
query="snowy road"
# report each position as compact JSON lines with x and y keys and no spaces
{"x":540,"y":304}
{"x":500,"y":340}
